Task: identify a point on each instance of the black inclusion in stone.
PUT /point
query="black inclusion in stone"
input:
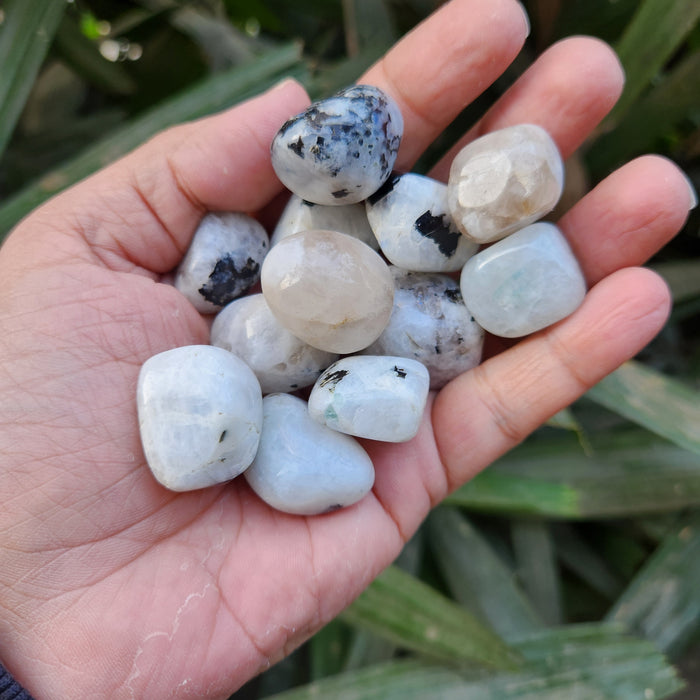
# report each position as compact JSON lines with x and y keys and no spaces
{"x":339,"y":194}
{"x":227,"y":282}
{"x":297,"y":146}
{"x":438,"y":230}
{"x":333,"y":377}
{"x":400,"y":373}
{"x":454,"y":295}
{"x":384,"y":190}
{"x":222,"y":437}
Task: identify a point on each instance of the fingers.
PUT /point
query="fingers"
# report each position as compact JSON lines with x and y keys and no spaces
{"x":143,"y":209}
{"x":567,"y":91}
{"x":447,"y":61}
{"x":488,"y":410}
{"x":628,"y":216}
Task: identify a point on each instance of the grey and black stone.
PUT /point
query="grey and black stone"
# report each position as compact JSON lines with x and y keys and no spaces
{"x":430,"y":323}
{"x":410,"y":218}
{"x":223,"y":261}
{"x":340,"y":150}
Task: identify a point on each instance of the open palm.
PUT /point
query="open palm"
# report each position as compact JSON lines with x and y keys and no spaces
{"x":111,"y":586}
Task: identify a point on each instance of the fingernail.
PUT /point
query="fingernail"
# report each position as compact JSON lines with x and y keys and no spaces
{"x":282,"y":84}
{"x":693,"y":194}
{"x":526,"y":17}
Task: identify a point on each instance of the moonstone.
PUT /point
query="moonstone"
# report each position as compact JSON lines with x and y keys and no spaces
{"x":341,"y":149}
{"x":303,"y":467}
{"x":523,"y":283}
{"x":380,"y":398}
{"x":410,"y":219}
{"x":300,"y":215}
{"x":328,"y":289}
{"x":430,"y":323}
{"x":503,"y":181}
{"x":280,"y":361}
{"x":200,"y":416}
{"x":223,"y":261}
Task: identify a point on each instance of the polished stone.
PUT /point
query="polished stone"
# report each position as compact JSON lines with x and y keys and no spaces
{"x":410,"y":218}
{"x":340,"y":150}
{"x":430,"y":323}
{"x":380,"y":398}
{"x":200,"y":416}
{"x":223,"y":261}
{"x":303,"y":467}
{"x":503,"y":181}
{"x":300,"y":215}
{"x":331,"y":290}
{"x":280,"y":361}
{"x":523,"y":283}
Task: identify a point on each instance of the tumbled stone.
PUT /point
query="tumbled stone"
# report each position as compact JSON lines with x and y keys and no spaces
{"x":430,"y":323}
{"x":341,"y":149}
{"x":331,"y":290}
{"x":523,"y":283}
{"x":410,"y":219}
{"x":300,"y":215}
{"x":280,"y":361}
{"x":380,"y":398}
{"x":223,"y":261}
{"x":200,"y":416}
{"x":503,"y":181}
{"x":303,"y":467}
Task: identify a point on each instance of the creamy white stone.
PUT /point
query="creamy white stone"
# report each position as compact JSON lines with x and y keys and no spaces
{"x":503,"y":181}
{"x":380,"y":398}
{"x":341,"y":149}
{"x":300,"y":215}
{"x":303,"y":467}
{"x":223,"y":260}
{"x":200,"y":416}
{"x":328,"y":289}
{"x":523,"y":283}
{"x":430,"y":323}
{"x":410,"y":218}
{"x":280,"y":361}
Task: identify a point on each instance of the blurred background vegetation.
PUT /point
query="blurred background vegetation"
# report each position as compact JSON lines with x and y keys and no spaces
{"x":569,"y":569}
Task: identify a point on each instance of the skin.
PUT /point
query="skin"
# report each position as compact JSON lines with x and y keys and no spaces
{"x":111,"y":586}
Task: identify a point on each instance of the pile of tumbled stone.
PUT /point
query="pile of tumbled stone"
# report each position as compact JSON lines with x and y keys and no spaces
{"x":371,"y":337}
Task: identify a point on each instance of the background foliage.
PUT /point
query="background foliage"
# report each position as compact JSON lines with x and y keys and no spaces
{"x":570,"y":567}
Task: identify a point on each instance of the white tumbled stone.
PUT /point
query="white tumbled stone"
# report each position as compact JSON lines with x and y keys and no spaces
{"x":341,"y":149}
{"x":303,"y":467}
{"x":380,"y":398}
{"x":331,"y":290}
{"x":280,"y":360}
{"x":523,"y":283}
{"x":503,"y":181}
{"x":223,"y":260}
{"x":300,"y":215}
{"x":411,"y":221}
{"x":200,"y":416}
{"x":431,"y":324}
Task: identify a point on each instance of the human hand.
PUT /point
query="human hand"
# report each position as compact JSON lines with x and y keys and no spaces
{"x":111,"y":586}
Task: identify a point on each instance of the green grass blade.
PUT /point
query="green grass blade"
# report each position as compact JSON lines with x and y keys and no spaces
{"x":403,"y":609}
{"x":627,"y":473}
{"x":663,"y":601}
{"x":663,"y":405}
{"x":682,"y":276}
{"x":25,"y":36}
{"x":213,"y":94}
{"x":657,"y":29}
{"x":327,"y":649}
{"x":477,"y":578}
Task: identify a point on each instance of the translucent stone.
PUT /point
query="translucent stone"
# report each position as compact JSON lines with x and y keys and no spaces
{"x":223,"y":261}
{"x":504,"y":181}
{"x":328,"y":289}
{"x":430,"y":323}
{"x":410,"y":219}
{"x":341,"y":149}
{"x":303,"y":467}
{"x":380,"y":398}
{"x":200,"y":416}
{"x":280,"y":361}
{"x":523,"y":283}
{"x":300,"y":215}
